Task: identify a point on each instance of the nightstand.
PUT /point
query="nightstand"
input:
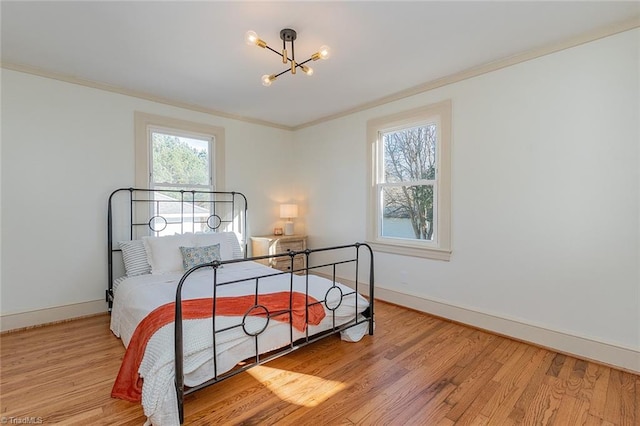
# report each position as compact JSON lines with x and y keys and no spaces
{"x":274,"y":244}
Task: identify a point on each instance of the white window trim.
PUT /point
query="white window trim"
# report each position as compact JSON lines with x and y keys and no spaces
{"x":440,"y":248}
{"x":144,"y":122}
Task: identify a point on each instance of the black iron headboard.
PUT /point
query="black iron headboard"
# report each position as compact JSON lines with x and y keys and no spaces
{"x":135,"y":212}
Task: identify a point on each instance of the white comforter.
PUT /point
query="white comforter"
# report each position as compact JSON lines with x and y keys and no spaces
{"x":137,"y":296}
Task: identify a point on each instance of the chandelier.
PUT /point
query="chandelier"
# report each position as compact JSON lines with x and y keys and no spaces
{"x":288,"y":36}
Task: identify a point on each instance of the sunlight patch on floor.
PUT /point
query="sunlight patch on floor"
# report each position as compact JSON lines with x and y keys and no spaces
{"x":296,"y":388}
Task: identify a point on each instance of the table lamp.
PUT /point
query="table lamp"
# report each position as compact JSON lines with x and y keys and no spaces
{"x":288,"y":212}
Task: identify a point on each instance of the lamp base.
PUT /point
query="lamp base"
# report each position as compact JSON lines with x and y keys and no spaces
{"x":288,"y":228}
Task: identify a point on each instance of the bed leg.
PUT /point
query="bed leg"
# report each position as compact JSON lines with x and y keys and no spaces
{"x":180,"y":396}
{"x":368,"y":313}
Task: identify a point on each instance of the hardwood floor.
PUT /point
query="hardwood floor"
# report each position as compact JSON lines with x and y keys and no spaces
{"x":415,"y":370}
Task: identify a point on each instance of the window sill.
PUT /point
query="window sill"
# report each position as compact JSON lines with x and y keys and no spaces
{"x":411,"y":250}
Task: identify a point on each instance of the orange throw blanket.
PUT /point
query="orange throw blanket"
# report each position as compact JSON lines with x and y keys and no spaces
{"x":128,"y":385}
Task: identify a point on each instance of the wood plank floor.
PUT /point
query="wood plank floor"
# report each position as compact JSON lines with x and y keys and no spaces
{"x":415,"y":370}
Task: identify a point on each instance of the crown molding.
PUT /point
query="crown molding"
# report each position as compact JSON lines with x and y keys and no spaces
{"x":588,"y":37}
{"x":136,"y":94}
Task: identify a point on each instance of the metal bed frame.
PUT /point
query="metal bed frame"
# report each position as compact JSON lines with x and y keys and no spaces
{"x":150,"y":219}
{"x":145,"y":211}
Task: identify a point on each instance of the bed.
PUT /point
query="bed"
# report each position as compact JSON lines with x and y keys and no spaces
{"x":192,"y":309}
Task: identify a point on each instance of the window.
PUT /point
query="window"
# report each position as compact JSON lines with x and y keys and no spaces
{"x":410,"y":184}
{"x":180,"y":161}
{"x":178,"y":154}
{"x":174,"y":155}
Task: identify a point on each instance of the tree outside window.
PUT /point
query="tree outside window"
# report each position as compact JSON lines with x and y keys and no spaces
{"x":180,"y":162}
{"x":409,"y":182}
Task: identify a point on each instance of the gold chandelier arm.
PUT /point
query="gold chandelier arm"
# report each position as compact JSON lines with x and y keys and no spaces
{"x":276,"y":52}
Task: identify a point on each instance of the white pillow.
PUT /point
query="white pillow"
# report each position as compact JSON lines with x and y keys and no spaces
{"x":234,"y":241}
{"x":163,"y":253}
{"x":229,"y":245}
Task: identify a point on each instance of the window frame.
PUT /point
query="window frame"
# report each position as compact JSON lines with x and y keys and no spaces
{"x":440,"y":247}
{"x":145,"y":123}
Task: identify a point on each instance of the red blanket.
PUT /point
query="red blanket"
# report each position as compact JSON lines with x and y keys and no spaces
{"x":128,"y":384}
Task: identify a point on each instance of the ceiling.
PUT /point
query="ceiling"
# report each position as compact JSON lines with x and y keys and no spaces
{"x":194,"y":54}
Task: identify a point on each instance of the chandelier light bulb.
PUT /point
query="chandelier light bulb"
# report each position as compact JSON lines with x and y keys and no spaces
{"x":268,"y":79}
{"x":307,"y":70}
{"x":251,"y":37}
{"x":324,"y":52}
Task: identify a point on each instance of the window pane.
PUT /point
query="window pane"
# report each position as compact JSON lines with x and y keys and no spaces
{"x":179,"y":160}
{"x":410,"y":154}
{"x":407,"y":212}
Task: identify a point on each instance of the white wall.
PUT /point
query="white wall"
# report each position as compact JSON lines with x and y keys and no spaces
{"x":65,"y":147}
{"x":545,"y":200}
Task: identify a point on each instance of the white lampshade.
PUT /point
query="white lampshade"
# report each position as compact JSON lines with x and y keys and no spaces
{"x":288,"y":211}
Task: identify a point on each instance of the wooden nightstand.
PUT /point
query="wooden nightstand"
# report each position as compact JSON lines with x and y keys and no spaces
{"x":274,"y":244}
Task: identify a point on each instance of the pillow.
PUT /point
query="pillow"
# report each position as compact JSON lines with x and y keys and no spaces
{"x":134,"y":257}
{"x":236,"y":250}
{"x":192,"y":256}
{"x":163,"y":253}
{"x":229,"y":245}
{"x":116,"y":283}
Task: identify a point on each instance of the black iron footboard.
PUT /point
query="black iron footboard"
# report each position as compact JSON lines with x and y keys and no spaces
{"x":353,"y":259}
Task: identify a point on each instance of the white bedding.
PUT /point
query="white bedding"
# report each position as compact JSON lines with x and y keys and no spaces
{"x":137,"y":296}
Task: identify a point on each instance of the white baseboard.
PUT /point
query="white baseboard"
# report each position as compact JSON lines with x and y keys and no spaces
{"x":51,"y":315}
{"x":624,"y":358}
{"x":606,"y":353}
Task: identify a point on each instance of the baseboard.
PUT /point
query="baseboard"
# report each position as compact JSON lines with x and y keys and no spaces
{"x":50,"y":315}
{"x":613,"y":355}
